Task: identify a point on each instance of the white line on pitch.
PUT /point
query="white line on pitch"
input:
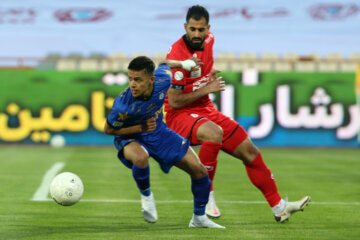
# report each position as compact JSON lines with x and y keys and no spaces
{"x":190,"y":201}
{"x":43,"y":190}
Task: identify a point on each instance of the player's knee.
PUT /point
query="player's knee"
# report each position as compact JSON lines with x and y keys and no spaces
{"x":252,"y":152}
{"x":202,"y":171}
{"x":198,"y":171}
{"x":141,"y":160}
{"x":218,"y":134}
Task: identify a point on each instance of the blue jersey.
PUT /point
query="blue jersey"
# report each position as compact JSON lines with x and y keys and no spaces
{"x":128,"y":111}
{"x":163,"y":144}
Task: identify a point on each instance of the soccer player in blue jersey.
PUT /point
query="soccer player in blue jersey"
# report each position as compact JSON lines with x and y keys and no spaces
{"x":136,"y":121}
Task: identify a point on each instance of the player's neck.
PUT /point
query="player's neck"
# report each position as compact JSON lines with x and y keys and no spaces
{"x":147,"y":95}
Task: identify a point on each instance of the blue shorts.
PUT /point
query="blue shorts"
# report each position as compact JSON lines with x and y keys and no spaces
{"x":164,"y":145}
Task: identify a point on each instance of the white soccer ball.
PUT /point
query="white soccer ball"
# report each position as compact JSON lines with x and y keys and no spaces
{"x":66,"y":188}
{"x":57,"y":141}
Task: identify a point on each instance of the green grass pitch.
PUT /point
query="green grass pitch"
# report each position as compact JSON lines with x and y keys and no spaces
{"x":110,"y":207}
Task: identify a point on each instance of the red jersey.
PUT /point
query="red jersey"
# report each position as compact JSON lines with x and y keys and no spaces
{"x":190,"y":81}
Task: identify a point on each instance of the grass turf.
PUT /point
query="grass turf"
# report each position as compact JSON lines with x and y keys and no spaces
{"x":330,"y":176}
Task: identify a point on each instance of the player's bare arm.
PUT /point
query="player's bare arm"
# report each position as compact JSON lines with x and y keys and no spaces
{"x":177,"y":99}
{"x":191,"y":64}
{"x":148,"y":126}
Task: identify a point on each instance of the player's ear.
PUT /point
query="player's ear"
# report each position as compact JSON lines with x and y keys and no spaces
{"x":152,"y":79}
{"x":185,"y":25}
{"x":208,"y":27}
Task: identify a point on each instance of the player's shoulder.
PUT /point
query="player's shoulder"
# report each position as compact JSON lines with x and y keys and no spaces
{"x":123,"y":97}
{"x":163,"y":71}
{"x":177,"y":50}
{"x":210,"y":38}
{"x":163,"y":76}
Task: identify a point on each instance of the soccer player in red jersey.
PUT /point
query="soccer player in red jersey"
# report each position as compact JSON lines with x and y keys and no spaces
{"x":190,"y":112}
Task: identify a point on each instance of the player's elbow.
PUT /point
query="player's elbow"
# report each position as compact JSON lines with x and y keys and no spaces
{"x":175,"y":104}
{"x":107,"y":129}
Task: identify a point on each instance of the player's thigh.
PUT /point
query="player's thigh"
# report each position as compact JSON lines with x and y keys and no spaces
{"x":209,"y":131}
{"x":137,"y":154}
{"x":184,"y":123}
{"x":227,"y":124}
{"x":191,"y":164}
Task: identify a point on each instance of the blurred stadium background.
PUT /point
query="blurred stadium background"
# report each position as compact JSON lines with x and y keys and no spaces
{"x":293,"y":81}
{"x":305,"y":54}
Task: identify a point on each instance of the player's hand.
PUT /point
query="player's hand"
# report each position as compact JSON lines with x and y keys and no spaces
{"x":216,"y":85}
{"x":213,"y":73}
{"x":192,"y":64}
{"x":198,"y":63}
{"x":150,"y":125}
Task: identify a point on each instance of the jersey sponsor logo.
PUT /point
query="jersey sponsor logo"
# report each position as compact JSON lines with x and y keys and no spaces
{"x":178,"y":75}
{"x":118,"y":124}
{"x":194,"y":115}
{"x":201,"y":82}
{"x":161,"y":96}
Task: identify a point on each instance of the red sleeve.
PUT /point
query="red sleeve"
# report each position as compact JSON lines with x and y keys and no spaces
{"x":179,"y":75}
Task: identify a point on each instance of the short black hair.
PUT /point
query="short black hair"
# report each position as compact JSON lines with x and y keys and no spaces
{"x":142,"y":63}
{"x":197,"y":12}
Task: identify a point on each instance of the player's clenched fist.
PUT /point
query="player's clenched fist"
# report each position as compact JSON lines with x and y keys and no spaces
{"x":150,"y":125}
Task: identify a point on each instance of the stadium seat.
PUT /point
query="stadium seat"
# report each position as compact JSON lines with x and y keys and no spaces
{"x":348,"y":67}
{"x":118,"y":61}
{"x":160,"y":56}
{"x":335,"y":56}
{"x":75,"y":55}
{"x":136,"y":54}
{"x":105,"y":65}
{"x":226,"y":56}
{"x":66,"y":64}
{"x":49,"y":62}
{"x":53,"y":56}
{"x":313,"y":56}
{"x":89,"y":65}
{"x":46,"y":65}
{"x":238,"y":66}
{"x":291,"y":56}
{"x":221,"y":65}
{"x":270,"y":56}
{"x":97,"y":55}
{"x":118,"y":56}
{"x":305,"y":67}
{"x":283,"y":67}
{"x":248,"y":56}
{"x":263,"y":66}
{"x":327,"y":67}
{"x":354,"y":57}
{"x":119,"y":65}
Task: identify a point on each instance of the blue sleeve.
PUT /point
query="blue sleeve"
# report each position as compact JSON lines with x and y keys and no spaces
{"x":163,"y":76}
{"x":114,"y":118}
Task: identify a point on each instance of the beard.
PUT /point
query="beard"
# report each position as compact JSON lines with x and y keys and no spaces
{"x":196,"y":45}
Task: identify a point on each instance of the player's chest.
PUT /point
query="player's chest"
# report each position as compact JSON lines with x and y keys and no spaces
{"x":139,"y":109}
{"x":207,"y":59}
